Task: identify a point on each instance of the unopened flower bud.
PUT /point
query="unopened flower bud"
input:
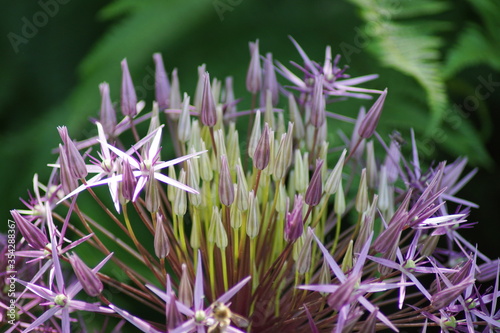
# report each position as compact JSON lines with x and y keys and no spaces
{"x":207,"y":112}
{"x":128,"y":97}
{"x":162,"y":84}
{"x":108,"y":113}
{"x":362,"y":195}
{"x":226,"y":189}
{"x":206,"y":172}
{"x":193,"y":182}
{"x":33,"y":236}
{"x":242,"y":197}
{"x":233,"y":149}
{"x":68,"y":182}
{"x":334,"y":179}
{"x":369,"y":123}
{"x":185,"y":288}
{"x":254,"y":73}
{"x":446,"y":296}
{"x":294,"y":225}
{"x":174,"y":317}
{"x":339,"y":206}
{"x":355,"y":138}
{"x":279,"y":164}
{"x":171,"y":189}
{"x":128,"y":182}
{"x":76,"y":164}
{"x":262,"y":151}
{"x":229,"y":101}
{"x":216,"y":232}
{"x":161,"y":242}
{"x":180,"y":203}
{"x":270,"y":83}
{"x":194,"y":239}
{"x":318,"y":103}
{"x":88,"y":279}
{"x":304,"y":259}
{"x":315,"y":189}
{"x":383,"y":190}
{"x":255,"y":135}
{"x":199,"y":87}
{"x":281,"y":202}
{"x":347,"y":262}
{"x":236,"y":217}
{"x":152,"y":197}
{"x":392,"y":162}
{"x":184,"y":126}
{"x":253,"y":222}
{"x":175,"y":94}
{"x":300,"y":172}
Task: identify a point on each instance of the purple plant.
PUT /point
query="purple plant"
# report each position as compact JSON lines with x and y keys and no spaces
{"x":297,"y":236}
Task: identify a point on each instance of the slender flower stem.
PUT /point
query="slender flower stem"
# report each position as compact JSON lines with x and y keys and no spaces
{"x":337,"y":234}
{"x":224,"y":269}
{"x":353,"y":150}
{"x":257,"y":180}
{"x":182,"y":236}
{"x":134,"y":129}
{"x":141,"y":249}
{"x":214,"y":145}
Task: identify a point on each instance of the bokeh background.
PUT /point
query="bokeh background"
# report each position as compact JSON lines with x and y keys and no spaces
{"x":440,"y":60}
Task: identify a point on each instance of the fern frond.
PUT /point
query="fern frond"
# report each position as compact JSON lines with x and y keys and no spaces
{"x":472,"y":48}
{"x":411,"y":48}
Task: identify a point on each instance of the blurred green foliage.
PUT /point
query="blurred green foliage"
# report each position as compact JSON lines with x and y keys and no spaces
{"x":419,"y":48}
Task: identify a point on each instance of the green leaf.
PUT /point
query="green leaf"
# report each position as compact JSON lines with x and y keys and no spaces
{"x":472,"y":48}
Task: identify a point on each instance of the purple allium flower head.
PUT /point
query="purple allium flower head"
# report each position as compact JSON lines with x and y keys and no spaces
{"x":108,"y":113}
{"x":162,"y":84}
{"x":128,"y":97}
{"x":208,"y":112}
{"x":262,"y":152}
{"x":315,"y":188}
{"x":294,"y":226}
{"x":89,"y":279}
{"x":33,"y":236}
{"x":254,"y":73}
{"x":370,"y":122}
